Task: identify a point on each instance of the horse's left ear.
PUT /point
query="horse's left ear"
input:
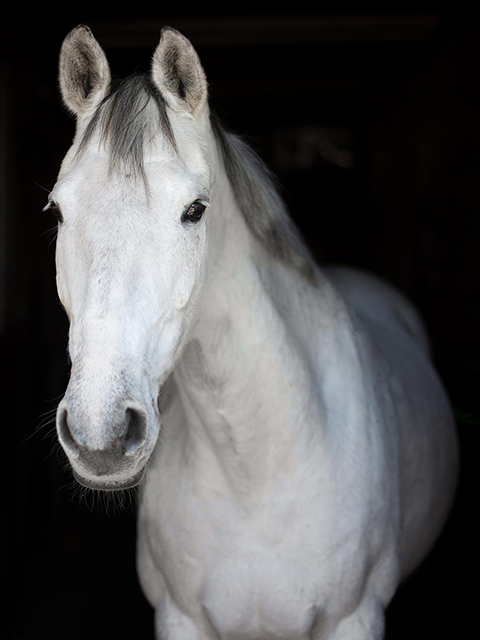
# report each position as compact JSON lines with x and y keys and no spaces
{"x":178,"y":74}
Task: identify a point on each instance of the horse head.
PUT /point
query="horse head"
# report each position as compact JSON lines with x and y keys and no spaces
{"x":131,"y":202}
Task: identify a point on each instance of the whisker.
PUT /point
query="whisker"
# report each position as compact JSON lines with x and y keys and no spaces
{"x":56,"y":446}
{"x":44,"y":423}
{"x":42,"y":187}
{"x":60,"y":395}
{"x":108,"y":502}
{"x":51,"y":235}
{"x":48,"y":231}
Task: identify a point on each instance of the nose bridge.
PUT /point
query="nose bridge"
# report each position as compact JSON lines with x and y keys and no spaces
{"x":113,"y":319}
{"x":108,"y":352}
{"x":95,"y":403}
{"x":106,"y":379}
{"x":99,"y":338}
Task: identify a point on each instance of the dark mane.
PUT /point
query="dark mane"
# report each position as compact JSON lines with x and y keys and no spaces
{"x":125,"y":123}
{"x":259,"y":200}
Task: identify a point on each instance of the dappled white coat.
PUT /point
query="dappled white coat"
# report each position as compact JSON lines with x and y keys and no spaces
{"x":303,"y":447}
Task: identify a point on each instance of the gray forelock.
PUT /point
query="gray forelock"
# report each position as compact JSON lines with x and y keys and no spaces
{"x":125,"y":123}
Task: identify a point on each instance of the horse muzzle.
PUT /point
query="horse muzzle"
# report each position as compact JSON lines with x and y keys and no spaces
{"x":112,"y":461}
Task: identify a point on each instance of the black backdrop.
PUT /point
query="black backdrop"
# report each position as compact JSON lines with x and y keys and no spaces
{"x":371,"y":122}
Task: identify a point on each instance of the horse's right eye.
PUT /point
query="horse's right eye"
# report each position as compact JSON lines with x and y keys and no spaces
{"x":55,"y":209}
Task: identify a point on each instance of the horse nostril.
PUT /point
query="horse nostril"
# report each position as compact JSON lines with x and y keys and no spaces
{"x":65,"y":434}
{"x":136,"y":431}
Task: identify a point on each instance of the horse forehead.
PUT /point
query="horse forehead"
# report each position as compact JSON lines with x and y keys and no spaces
{"x":93,"y":186}
{"x":177,"y":175}
{"x":93,"y":169}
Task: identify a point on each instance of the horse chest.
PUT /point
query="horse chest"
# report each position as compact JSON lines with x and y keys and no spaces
{"x":266,"y":575}
{"x":238,"y":585}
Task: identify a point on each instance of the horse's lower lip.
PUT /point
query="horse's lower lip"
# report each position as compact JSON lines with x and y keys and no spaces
{"x":114,"y":485}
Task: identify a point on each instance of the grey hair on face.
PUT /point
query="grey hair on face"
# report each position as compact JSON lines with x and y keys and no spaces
{"x":124,"y":120}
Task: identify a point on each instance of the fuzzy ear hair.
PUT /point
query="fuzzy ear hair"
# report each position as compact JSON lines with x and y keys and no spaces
{"x":178,"y":74}
{"x":84,"y":73}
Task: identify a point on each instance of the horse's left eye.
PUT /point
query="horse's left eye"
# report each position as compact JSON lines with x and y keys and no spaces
{"x":194,"y":212}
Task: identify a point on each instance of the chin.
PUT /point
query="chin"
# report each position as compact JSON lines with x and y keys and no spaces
{"x":104,"y":483}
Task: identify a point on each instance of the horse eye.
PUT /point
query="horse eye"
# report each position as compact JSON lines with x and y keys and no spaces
{"x":55,"y":209}
{"x":194,"y":211}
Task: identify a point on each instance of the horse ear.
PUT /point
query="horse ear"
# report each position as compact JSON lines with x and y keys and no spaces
{"x":178,"y":74}
{"x":84,"y":72}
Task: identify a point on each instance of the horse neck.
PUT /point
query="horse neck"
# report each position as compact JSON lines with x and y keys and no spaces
{"x":243,"y":379}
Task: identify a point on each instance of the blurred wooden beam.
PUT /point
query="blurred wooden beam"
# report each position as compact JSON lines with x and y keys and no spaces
{"x":253,"y":30}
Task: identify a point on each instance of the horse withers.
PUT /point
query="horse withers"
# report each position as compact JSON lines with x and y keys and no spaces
{"x":295,"y":448}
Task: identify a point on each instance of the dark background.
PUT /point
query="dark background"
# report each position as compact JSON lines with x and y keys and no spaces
{"x":370,"y":119}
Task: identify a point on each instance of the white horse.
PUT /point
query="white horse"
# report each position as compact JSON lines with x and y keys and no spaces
{"x":295,"y":446}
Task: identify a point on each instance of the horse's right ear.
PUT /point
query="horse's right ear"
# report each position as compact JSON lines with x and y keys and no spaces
{"x":84,"y":72}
